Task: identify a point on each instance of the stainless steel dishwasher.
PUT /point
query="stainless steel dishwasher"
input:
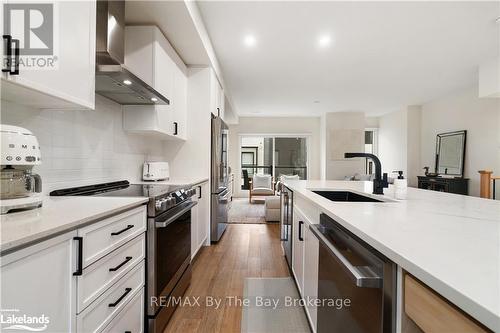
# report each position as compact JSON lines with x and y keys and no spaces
{"x":352,"y":271}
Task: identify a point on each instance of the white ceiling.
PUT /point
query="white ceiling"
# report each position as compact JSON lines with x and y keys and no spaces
{"x":384,"y":55}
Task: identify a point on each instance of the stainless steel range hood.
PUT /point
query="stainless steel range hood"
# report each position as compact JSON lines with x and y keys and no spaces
{"x":112,"y":79}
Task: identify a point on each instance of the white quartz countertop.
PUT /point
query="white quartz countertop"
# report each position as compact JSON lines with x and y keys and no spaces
{"x":56,"y":216}
{"x":176,"y":181}
{"x":450,"y":242}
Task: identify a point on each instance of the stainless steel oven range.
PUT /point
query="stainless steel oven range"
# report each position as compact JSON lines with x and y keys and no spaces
{"x":168,"y":239}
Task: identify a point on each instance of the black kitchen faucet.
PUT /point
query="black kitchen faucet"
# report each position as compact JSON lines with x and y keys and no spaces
{"x":378,"y":183}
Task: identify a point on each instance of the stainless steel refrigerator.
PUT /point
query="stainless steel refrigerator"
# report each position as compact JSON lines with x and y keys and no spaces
{"x":219,"y":179}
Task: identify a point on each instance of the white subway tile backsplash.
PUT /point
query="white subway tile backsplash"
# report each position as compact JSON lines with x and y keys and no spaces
{"x":84,"y":147}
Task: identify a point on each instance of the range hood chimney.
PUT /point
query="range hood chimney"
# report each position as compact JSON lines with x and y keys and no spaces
{"x":112,"y":79}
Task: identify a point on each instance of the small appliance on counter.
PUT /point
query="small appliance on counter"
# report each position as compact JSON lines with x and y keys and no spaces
{"x":20,"y":188}
{"x":154,"y":171}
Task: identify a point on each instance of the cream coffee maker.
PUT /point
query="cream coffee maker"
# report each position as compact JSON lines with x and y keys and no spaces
{"x":20,"y":188}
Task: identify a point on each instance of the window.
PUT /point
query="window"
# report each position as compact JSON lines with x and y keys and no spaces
{"x":272,"y":155}
{"x":371,"y":141}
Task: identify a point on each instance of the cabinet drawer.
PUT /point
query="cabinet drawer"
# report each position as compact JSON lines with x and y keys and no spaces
{"x":101,"y":275}
{"x":103,"y":237}
{"x":95,"y":317}
{"x":131,"y":318}
{"x":432,"y":313}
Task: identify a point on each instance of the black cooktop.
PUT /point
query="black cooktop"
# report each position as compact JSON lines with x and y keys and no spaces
{"x":119,"y":189}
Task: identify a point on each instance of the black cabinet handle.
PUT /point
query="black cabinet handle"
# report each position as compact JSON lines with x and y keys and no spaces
{"x":130,"y":226}
{"x":127,"y":290}
{"x":300,"y":231}
{"x":114,"y":269}
{"x":128,"y":332}
{"x":175,"y":128}
{"x":218,"y":112}
{"x":8,"y":53}
{"x":16,"y":57}
{"x":79,"y":268}
{"x":199,"y":194}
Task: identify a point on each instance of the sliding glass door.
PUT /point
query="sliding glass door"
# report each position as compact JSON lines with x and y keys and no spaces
{"x":272,"y":155}
{"x":290,"y":157}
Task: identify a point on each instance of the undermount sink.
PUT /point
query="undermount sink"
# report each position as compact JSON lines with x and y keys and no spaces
{"x":346,"y":196}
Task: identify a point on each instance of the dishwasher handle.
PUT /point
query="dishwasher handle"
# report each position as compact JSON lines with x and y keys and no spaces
{"x":363,"y":276}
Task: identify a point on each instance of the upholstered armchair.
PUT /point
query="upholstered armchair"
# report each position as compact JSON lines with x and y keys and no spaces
{"x":261,"y":185}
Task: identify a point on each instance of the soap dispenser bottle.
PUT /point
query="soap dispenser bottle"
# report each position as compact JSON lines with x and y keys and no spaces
{"x":400,"y":186}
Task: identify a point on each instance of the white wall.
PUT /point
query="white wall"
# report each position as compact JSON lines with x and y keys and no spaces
{"x":407,"y":138}
{"x":399,"y":143}
{"x":393,"y":141}
{"x":463,"y":110}
{"x":83,"y":147}
{"x":413,"y":144}
{"x":372,"y":122}
{"x":274,"y":125}
{"x":345,"y":132}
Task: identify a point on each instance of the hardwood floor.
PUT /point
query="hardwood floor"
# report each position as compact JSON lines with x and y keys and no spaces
{"x":246,"y":250}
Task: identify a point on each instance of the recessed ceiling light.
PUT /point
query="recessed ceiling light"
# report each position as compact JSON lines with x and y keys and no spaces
{"x":250,"y":40}
{"x":127,"y":82}
{"x":316,"y":102}
{"x":154,"y":99}
{"x":324,"y":41}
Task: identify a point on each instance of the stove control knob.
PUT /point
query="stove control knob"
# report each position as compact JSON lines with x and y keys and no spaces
{"x":191,"y":192}
{"x":158,"y":204}
{"x":170,"y":202}
{"x":164,"y":204}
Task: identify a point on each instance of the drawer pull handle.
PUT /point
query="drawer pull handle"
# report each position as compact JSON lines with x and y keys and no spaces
{"x":301,"y":223}
{"x":79,"y":270}
{"x":127,"y":290}
{"x":127,"y":259}
{"x":128,"y":331}
{"x":130,"y":226}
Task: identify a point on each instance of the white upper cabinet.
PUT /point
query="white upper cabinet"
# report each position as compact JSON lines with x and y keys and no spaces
{"x":217,"y":96}
{"x":150,"y":56}
{"x":179,"y":103}
{"x":70,"y":83}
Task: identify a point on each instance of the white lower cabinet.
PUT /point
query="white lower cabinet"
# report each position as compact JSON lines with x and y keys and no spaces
{"x":311,"y":266}
{"x":305,"y":263}
{"x":200,"y":218}
{"x":100,"y":313}
{"x":298,"y":248}
{"x":78,"y":281}
{"x":130,"y":318}
{"x":102,"y":237}
{"x":100,"y":276}
{"x":38,"y":281}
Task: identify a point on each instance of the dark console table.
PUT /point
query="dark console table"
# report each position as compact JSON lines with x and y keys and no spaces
{"x":451,"y":185}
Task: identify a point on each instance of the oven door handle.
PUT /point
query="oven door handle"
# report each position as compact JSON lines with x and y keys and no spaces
{"x":175,"y":216}
{"x":363,"y":276}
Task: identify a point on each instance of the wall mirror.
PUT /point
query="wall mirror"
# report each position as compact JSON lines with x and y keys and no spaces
{"x":450,"y":153}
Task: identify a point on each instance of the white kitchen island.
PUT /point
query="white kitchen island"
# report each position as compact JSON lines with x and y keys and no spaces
{"x":449,"y":242}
